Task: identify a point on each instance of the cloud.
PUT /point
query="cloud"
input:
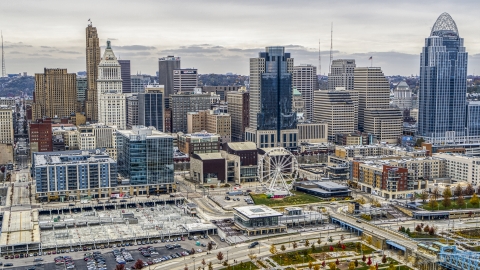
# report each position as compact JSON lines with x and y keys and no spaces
{"x":14,"y":52}
{"x":69,"y":52}
{"x":47,"y":47}
{"x":134,"y":48}
{"x":112,"y":39}
{"x":39,"y":54}
{"x":16,"y":45}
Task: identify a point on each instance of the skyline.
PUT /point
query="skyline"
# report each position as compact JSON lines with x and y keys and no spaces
{"x":392,"y":34}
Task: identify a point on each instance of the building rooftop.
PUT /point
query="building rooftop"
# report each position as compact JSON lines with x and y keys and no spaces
{"x":149,"y":132}
{"x":257,"y":211}
{"x":209,"y":156}
{"x":242,"y":146}
{"x":73,"y":156}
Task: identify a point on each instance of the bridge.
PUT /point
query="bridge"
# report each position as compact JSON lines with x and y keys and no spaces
{"x":452,"y":258}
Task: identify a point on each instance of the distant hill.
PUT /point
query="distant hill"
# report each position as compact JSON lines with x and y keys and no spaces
{"x":221,"y":80}
{"x":10,"y":87}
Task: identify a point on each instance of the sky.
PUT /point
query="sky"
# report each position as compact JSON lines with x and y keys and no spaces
{"x":220,"y":36}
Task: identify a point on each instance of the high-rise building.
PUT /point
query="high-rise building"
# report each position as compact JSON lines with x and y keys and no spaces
{"x":126,"y":76}
{"x":443,"y":83}
{"x":341,"y":74}
{"x":272,"y":120}
{"x":305,"y":81}
{"x":40,"y":135}
{"x":145,"y":156}
{"x":150,"y":107}
{"x":6,"y":125}
{"x":111,"y":100}
{"x":182,"y":104}
{"x":184,"y":80}
{"x":55,"y":94}
{"x":132,"y":110}
{"x":373,"y":91}
{"x":473,"y":119}
{"x":82,"y":85}
{"x":93,"y":59}
{"x":384,"y":123}
{"x":211,"y":121}
{"x":239,"y":110}
{"x":338,"y":109}
{"x":402,"y":96}
{"x":166,"y":65}
{"x":137,"y":84}
{"x":298,"y":105}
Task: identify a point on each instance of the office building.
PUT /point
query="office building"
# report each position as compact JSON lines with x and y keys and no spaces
{"x":298,"y":105}
{"x":402,"y":96}
{"x":181,"y":104}
{"x":126,"y":76}
{"x":132,"y":110}
{"x":272,"y":120}
{"x":150,"y":107}
{"x":145,"y":157}
{"x":443,"y":79}
{"x":40,"y":135}
{"x":111,"y":100}
{"x":82,"y":85}
{"x":338,"y":109}
{"x":305,"y":81}
{"x":341,"y":74}
{"x":211,"y":121}
{"x":55,"y":94}
{"x":385,"y":124}
{"x":184,"y":80}
{"x":137,"y":84}
{"x":93,"y":60}
{"x":373,"y":91}
{"x":73,"y":174}
{"x":239,"y":110}
{"x":6,"y":125}
{"x":461,"y":167}
{"x":473,"y":119}
{"x":166,"y":66}
{"x":220,"y":90}
{"x":199,"y":143}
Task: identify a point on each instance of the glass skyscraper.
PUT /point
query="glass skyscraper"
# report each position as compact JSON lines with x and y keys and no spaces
{"x":443,"y":78}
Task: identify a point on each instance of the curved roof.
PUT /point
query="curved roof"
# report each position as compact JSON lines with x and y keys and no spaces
{"x":444,"y":25}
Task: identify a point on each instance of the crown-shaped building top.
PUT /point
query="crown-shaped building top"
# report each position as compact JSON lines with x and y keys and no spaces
{"x":109,"y":58}
{"x":444,"y":25}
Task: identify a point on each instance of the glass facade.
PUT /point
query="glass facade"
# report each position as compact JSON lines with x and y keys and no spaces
{"x":256,"y":222}
{"x":276,"y":92}
{"x":150,"y":111}
{"x":443,"y":78}
{"x":473,"y":118}
{"x":145,"y":159}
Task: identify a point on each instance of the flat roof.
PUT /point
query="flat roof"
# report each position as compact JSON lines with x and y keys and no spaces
{"x":208,"y":156}
{"x":331,"y":185}
{"x":257,"y":211}
{"x":242,"y":146}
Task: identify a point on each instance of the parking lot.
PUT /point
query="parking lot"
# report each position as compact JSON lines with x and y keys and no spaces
{"x":187,"y":245}
{"x":233,"y":201}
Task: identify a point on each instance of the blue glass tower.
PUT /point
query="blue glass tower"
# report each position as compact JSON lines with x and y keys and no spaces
{"x":443,"y":83}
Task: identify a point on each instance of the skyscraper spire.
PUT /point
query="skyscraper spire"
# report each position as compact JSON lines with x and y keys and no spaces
{"x":4,"y":72}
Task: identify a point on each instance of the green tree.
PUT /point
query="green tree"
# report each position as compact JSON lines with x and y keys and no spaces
{"x":307,"y":243}
{"x":419,"y":142}
{"x":424,"y":196}
{"x":432,"y":203}
{"x":474,"y":200}
{"x":319,"y":241}
{"x":351,"y":266}
{"x":283,"y":248}
{"x":313,"y":248}
{"x":330,"y":239}
{"x":436,"y":193}
{"x":447,"y":194}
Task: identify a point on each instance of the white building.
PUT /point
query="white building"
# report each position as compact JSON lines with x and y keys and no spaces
{"x":111,"y":100}
{"x":305,"y":81}
{"x":461,"y":167}
{"x":6,"y":124}
{"x":402,"y":96}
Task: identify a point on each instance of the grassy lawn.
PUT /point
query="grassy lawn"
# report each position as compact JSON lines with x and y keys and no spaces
{"x":242,"y":266}
{"x":454,"y":206}
{"x":303,"y":256}
{"x":422,"y":235}
{"x":298,"y":198}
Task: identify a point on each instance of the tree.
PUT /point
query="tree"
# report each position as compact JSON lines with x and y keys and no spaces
{"x":469,"y":190}
{"x":332,"y":266}
{"x":418,"y":228}
{"x":351,"y":266}
{"x":220,"y":256}
{"x":384,"y":259}
{"x":356,"y":262}
{"x":407,"y":231}
{"x":330,"y":239}
{"x":419,"y":142}
{"x":447,"y":194}
{"x":337,"y":262}
{"x":426,"y":229}
{"x":120,"y":267}
{"x":283,"y":248}
{"x":460,"y":201}
{"x":364,"y":258}
{"x":294,"y":245}
{"x":273,"y":249}
{"x":436,"y":193}
{"x":323,"y":264}
{"x":138,"y":264}
{"x":316,"y":267}
{"x":458,"y":191}
{"x":185,"y":268}
{"x":192,"y":251}
{"x":432,"y":230}
{"x":432,"y":203}
{"x":319,"y":241}
{"x":307,"y":243}
{"x":210,"y":265}
{"x":310,"y":265}
{"x":474,"y":200}
{"x":369,"y":262}
{"x":313,"y":248}
{"x":209,"y":246}
{"x":205,"y":263}
{"x":424,"y":196}
{"x":225,"y":263}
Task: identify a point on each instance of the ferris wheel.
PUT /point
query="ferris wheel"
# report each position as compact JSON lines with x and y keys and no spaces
{"x":277,"y":170}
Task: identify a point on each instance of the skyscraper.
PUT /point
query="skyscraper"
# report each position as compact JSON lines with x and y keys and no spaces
{"x":305,"y":81}
{"x":150,"y":107}
{"x":271,"y":116}
{"x":184,"y":80}
{"x":239,"y":110}
{"x":341,"y":74}
{"x":82,"y":85}
{"x":443,"y":79}
{"x":93,"y":59}
{"x":132,"y":110}
{"x":126,"y":76}
{"x":182,"y":104}
{"x":55,"y":94}
{"x":166,"y":65}
{"x":111,"y":100}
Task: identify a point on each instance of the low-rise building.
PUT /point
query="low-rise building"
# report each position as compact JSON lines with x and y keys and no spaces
{"x":258,"y":220}
{"x":324,"y":189}
{"x":211,"y":121}
{"x":199,"y":143}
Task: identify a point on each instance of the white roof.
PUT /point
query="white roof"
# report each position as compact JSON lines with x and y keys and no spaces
{"x":257,"y":211}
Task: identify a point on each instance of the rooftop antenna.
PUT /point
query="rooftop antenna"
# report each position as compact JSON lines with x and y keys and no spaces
{"x":331,"y":48}
{"x":89,"y":22}
{"x":319,"y":60}
{"x":4,"y":72}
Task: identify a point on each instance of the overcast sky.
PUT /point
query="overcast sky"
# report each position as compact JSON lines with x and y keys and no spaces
{"x":221,"y":36}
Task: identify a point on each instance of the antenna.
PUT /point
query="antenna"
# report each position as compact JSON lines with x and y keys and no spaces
{"x":319,"y":60}
{"x":4,"y":72}
{"x":331,"y":47}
